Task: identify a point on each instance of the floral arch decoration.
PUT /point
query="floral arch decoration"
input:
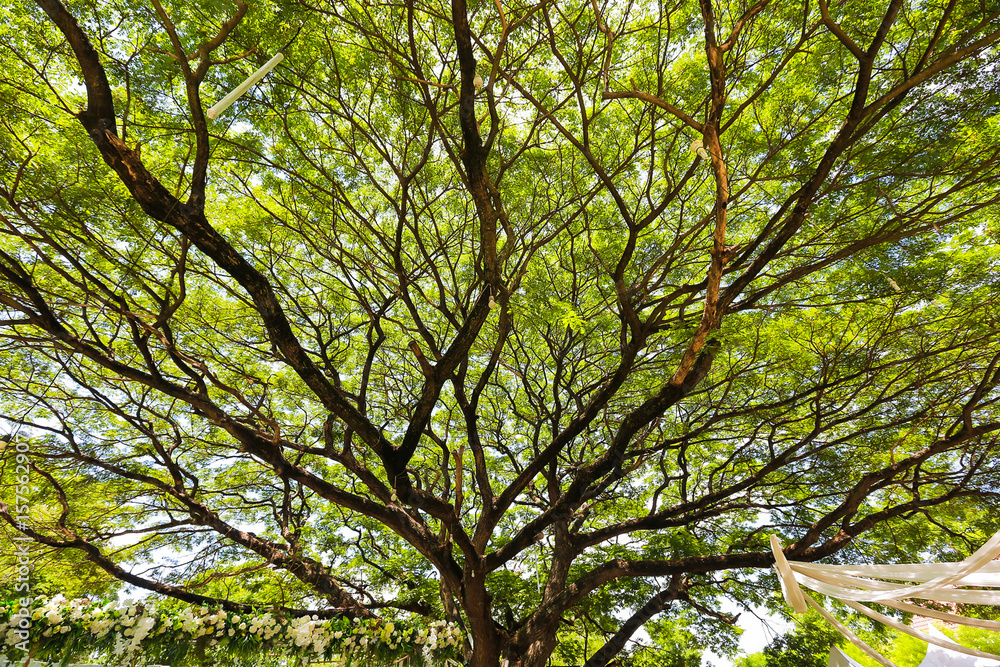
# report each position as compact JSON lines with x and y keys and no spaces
{"x":135,"y":633}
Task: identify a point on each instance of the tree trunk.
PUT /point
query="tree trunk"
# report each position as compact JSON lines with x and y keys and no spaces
{"x":539,"y":651}
{"x":485,"y":639}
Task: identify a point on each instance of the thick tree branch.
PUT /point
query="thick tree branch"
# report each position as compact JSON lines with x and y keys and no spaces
{"x":653,"y":99}
{"x":654,"y":606}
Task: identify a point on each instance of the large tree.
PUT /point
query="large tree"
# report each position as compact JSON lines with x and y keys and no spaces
{"x":519,"y":355}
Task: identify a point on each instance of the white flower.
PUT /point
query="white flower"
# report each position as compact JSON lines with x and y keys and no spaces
{"x":142,"y":628}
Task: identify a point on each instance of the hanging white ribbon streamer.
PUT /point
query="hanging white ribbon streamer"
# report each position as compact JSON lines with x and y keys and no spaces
{"x":853,"y":638}
{"x":944,"y":616}
{"x":859,"y":594}
{"x":988,"y":575}
{"x":224,"y":103}
{"x":853,"y":584}
{"x":951,"y":577}
{"x":923,"y":636}
{"x":789,"y":587}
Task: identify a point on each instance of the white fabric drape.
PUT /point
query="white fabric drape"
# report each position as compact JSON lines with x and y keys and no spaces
{"x":938,"y":582}
{"x":940,"y":657}
{"x":839,"y":659}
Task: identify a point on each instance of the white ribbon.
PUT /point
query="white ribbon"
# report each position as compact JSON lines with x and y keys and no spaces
{"x":224,"y":103}
{"x":831,"y":586}
{"x":988,"y":575}
{"x":789,"y":588}
{"x":913,"y":632}
{"x":853,"y":638}
{"x":940,"y":582}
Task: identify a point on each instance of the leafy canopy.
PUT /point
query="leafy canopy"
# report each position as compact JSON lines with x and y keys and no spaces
{"x":379,"y":342}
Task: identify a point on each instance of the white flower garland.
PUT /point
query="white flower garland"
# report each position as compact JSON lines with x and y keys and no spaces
{"x":136,"y":633}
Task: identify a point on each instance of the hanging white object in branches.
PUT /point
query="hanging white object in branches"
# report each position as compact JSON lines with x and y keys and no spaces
{"x":697,"y":146}
{"x":975,"y":580}
{"x":226,"y":101}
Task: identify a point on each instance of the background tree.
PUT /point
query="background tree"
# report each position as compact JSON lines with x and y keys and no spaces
{"x":673,"y":644}
{"x":807,"y":644}
{"x":810,"y":640}
{"x":378,"y":341}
